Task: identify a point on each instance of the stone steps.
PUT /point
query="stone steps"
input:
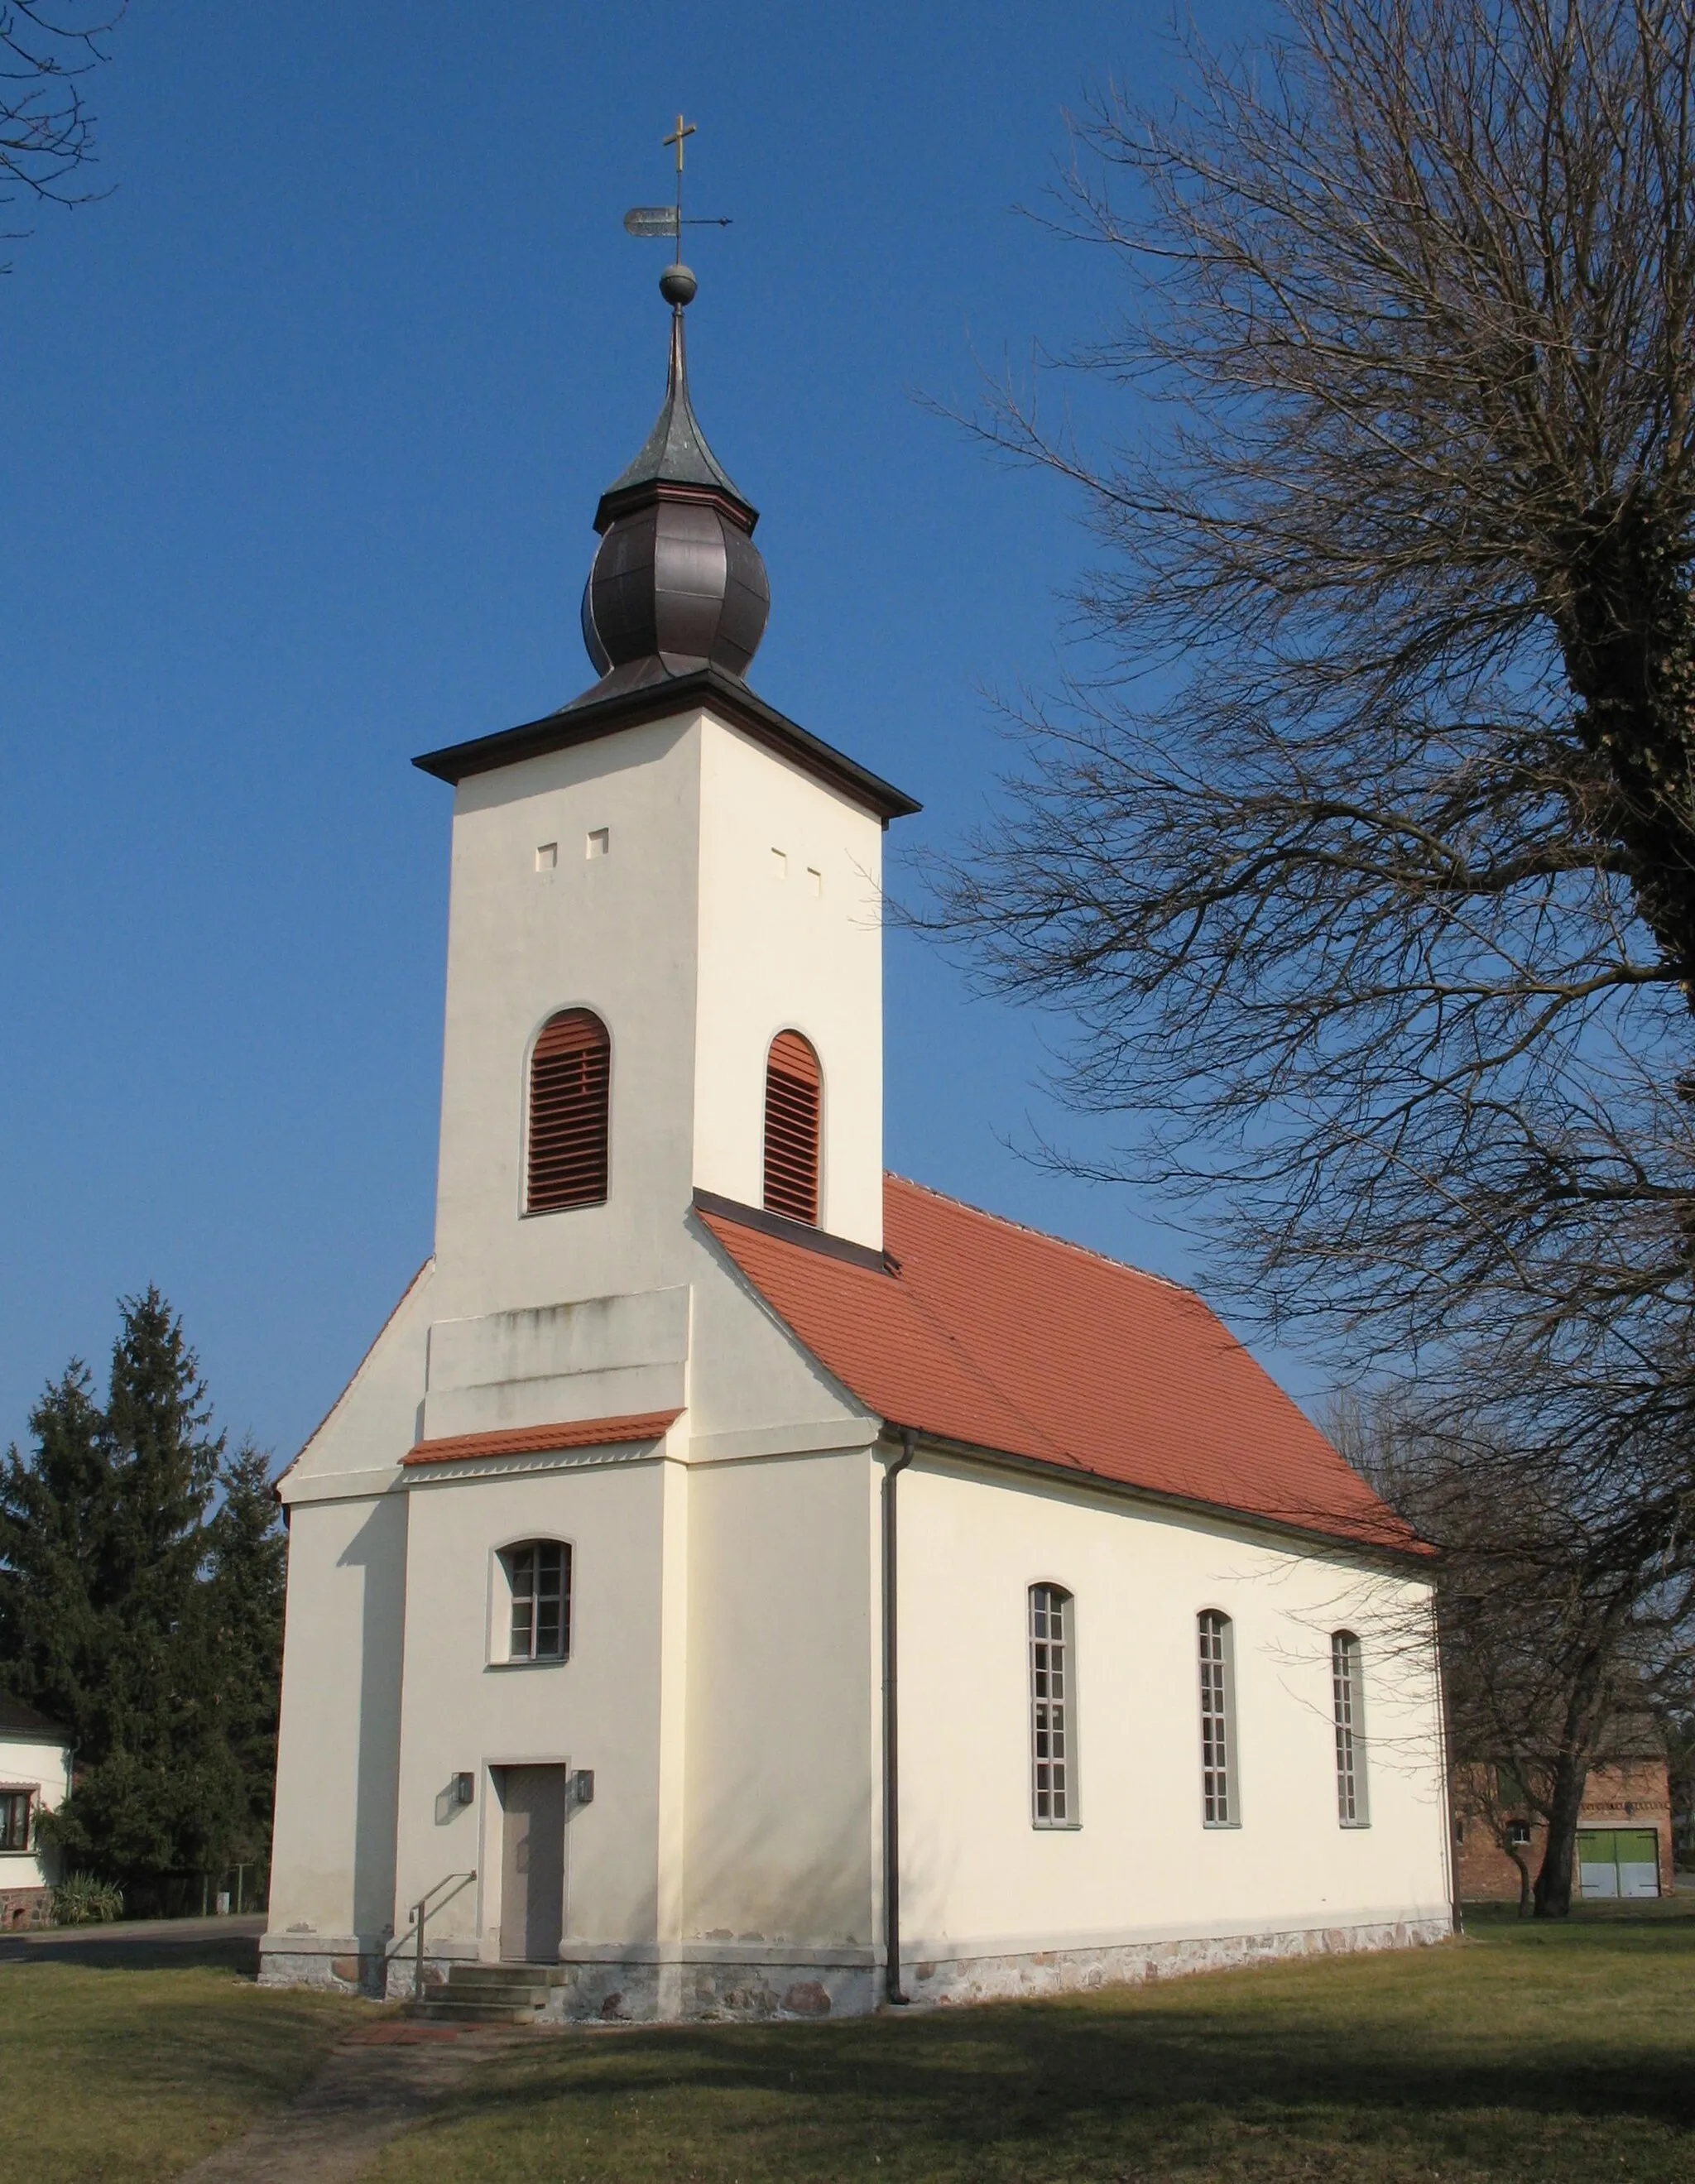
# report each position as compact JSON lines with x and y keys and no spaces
{"x":489,"y":1994}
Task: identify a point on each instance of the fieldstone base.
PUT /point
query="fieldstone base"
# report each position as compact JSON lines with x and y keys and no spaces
{"x":23,"y":1908}
{"x":1062,"y":1971}
{"x":613,"y":1991}
{"x":350,"y":1966}
{"x":642,"y":1990}
{"x":743,"y":1991}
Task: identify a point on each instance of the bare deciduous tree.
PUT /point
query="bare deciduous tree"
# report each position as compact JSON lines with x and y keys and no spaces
{"x":1566,"y":1614}
{"x":1367,"y":868}
{"x":47,"y":47}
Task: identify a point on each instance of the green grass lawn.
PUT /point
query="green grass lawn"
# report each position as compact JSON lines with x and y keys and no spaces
{"x":131,"y":2072}
{"x":1560,"y":2052}
{"x":1533,"y":2052}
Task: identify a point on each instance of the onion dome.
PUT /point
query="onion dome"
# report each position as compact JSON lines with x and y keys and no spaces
{"x":677,"y":583}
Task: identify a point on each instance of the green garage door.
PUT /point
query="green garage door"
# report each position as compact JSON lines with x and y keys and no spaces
{"x":1618,"y":1862}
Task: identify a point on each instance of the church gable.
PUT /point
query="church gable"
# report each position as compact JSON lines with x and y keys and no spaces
{"x":371,"y":1423}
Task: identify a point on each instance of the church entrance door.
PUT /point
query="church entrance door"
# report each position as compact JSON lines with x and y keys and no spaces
{"x":533,"y":1864}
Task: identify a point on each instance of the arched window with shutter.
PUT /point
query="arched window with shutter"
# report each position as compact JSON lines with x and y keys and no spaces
{"x":571,"y":1078}
{"x":793,"y":1088}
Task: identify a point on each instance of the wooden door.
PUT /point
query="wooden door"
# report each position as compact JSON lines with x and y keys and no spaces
{"x":533,"y":1864}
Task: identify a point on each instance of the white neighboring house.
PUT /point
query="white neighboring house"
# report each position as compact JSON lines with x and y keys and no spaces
{"x":35,"y":1778}
{"x":741,"y":1582}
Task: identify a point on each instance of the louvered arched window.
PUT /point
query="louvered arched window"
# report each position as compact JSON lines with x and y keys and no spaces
{"x":571,"y":1075}
{"x":793,"y":1085}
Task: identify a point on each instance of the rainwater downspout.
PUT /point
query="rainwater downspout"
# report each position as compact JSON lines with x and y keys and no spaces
{"x":892,"y":1989}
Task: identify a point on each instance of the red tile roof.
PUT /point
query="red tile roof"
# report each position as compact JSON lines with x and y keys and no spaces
{"x":1001,"y":1338}
{"x":539,"y":1440}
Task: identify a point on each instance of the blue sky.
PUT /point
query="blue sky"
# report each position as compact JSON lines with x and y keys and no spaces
{"x":303,"y":430}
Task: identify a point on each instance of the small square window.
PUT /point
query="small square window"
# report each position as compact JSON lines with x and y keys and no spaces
{"x":599,"y":842}
{"x":1517,"y":1831}
{"x":814,"y":879}
{"x":547,"y":856}
{"x":14,"y":1818}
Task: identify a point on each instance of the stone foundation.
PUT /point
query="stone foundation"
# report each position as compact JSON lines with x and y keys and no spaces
{"x":348,"y":1963}
{"x":641,"y":1989}
{"x":943,"y":1980}
{"x":21,"y":1908}
{"x":745,"y":1992}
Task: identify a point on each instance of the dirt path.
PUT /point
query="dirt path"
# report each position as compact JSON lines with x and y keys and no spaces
{"x":376,"y":2084}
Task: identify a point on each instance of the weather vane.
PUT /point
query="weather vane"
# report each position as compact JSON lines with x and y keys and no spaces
{"x":668,"y":219}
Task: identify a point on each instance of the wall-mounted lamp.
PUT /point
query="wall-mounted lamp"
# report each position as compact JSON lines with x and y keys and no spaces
{"x":582,"y":1786}
{"x":464,"y":1789}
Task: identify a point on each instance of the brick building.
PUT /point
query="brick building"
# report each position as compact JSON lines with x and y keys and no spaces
{"x":1623,"y":1839}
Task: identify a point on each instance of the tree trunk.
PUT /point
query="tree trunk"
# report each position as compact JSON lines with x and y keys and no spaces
{"x":1628,"y":635}
{"x":1560,"y":1853}
{"x":1527,"y":1892}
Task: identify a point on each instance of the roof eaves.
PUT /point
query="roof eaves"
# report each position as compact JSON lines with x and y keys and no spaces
{"x":621,"y":1432}
{"x":706,"y":688}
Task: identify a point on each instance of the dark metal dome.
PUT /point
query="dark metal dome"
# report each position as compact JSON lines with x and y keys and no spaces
{"x":677,"y":583}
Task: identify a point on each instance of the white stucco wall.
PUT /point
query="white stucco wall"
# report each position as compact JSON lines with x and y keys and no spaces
{"x":695,"y":953}
{"x":466,"y":1709}
{"x":783,"y":1720}
{"x":978,"y":1879}
{"x":332,"y":1855}
{"x":616,"y":933}
{"x":28,"y":1762}
{"x":790,"y":937}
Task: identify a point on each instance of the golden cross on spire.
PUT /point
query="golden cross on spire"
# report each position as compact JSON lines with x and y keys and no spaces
{"x":682,"y":129}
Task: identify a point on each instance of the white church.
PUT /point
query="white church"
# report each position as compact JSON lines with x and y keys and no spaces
{"x":741,"y":1582}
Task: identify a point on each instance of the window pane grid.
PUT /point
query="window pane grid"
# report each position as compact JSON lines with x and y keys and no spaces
{"x":14,"y":1818}
{"x":1051,"y":1796}
{"x":1216,"y":1787}
{"x":1347,"y":1698}
{"x":540,"y":1574}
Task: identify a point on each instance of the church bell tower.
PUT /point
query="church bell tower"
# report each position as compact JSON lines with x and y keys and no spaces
{"x":660,"y":891}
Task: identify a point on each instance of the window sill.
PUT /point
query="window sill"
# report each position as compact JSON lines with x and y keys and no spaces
{"x":1056,"y":1827}
{"x":503,"y":1667}
{"x":1353,"y":1827}
{"x":1222,"y":1827}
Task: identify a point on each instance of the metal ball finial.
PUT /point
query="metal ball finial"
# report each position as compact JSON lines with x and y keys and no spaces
{"x":677,"y":285}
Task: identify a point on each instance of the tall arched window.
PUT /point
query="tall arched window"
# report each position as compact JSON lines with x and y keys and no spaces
{"x":1053,"y":1760}
{"x":1348,"y":1691}
{"x":1221,"y":1799}
{"x":571,"y":1075}
{"x":793,"y":1085}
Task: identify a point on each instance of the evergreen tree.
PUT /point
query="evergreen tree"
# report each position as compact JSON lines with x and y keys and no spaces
{"x":54,"y":1510}
{"x":249,"y":1569}
{"x":140,"y":1615}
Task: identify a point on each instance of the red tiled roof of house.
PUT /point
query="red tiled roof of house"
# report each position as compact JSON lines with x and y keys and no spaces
{"x":997,"y":1336}
{"x":543,"y":1440}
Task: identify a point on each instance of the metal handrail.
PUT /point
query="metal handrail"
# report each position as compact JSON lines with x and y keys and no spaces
{"x":418,"y":1913}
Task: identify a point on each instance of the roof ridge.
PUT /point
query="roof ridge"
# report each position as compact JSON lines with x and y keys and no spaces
{"x":1045,"y":1236}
